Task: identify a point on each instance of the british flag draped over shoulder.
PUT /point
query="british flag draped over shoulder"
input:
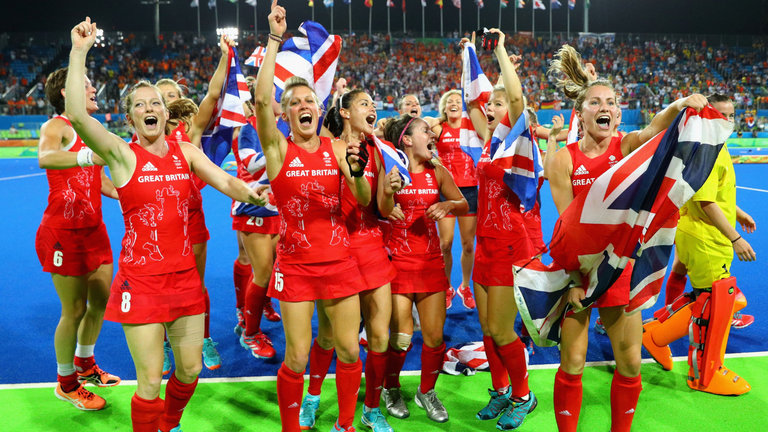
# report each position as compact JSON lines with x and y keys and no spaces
{"x":217,"y":138}
{"x":630,"y":211}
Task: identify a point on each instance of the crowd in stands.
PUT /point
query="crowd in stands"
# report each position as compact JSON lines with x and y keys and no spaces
{"x":655,"y":72}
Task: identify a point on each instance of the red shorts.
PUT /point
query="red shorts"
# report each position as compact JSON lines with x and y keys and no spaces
{"x":429,"y":277}
{"x":198,"y":233}
{"x":140,"y":299}
{"x":73,"y":252}
{"x":256,"y":224}
{"x":495,"y":258}
{"x":618,"y":293}
{"x":315,"y":281}
{"x":376,"y":268}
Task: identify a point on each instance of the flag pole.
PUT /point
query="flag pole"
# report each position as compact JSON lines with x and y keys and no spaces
{"x":586,"y":16}
{"x":550,"y":20}
{"x":331,"y":18}
{"x":403,"y":19}
{"x":568,"y":23}
{"x":216,"y":12}
{"x":478,"y":14}
{"x":460,"y":11}
{"x":237,"y":16}
{"x":516,"y":15}
{"x":533,"y":20}
{"x":350,"y":17}
{"x":255,"y":23}
{"x":441,"y":21}
{"x":198,"y":19}
{"x":389,"y":32}
{"x":499,"y":13}
{"x":313,"y":11}
{"x":370,"y":17}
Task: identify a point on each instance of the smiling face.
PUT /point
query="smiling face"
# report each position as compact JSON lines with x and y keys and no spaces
{"x":361,"y":113}
{"x":599,"y":113}
{"x":421,"y":141}
{"x":91,"y":105}
{"x":148,"y":114}
{"x":453,"y":106}
{"x":302,"y":112}
{"x":496,"y":109}
{"x":410,"y":105}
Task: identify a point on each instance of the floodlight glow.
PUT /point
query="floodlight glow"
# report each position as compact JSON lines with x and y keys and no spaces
{"x":231,"y":32}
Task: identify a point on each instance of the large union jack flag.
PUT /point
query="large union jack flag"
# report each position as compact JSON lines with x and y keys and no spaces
{"x":628,"y":212}
{"x":217,"y":137}
{"x":475,"y":87}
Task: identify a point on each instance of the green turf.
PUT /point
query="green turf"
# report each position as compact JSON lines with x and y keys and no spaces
{"x":666,"y":404}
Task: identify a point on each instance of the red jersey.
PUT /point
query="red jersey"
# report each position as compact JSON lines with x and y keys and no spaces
{"x":155,"y":204}
{"x":498,"y":208}
{"x":362,"y":222}
{"x":460,"y":164}
{"x":179,"y":135}
{"x":74,"y":194}
{"x":586,"y":170}
{"x":307,"y":195}
{"x":415,"y":238}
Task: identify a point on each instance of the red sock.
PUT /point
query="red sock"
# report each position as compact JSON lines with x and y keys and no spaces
{"x":242,"y":275}
{"x":675,"y":287}
{"x":177,"y":395}
{"x":290,"y":386}
{"x":69,"y":383}
{"x":499,"y":377}
{"x":82,"y":364}
{"x":375,"y":370}
{"x":145,"y":414}
{"x":254,"y":307}
{"x":513,"y":357}
{"x":207,"y":331}
{"x":625,"y":392}
{"x":395,"y":362}
{"x":431,"y":363}
{"x":567,"y":400}
{"x":319,"y":362}
{"x":347,"y":387}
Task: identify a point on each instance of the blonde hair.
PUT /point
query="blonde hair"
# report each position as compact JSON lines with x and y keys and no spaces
{"x":571,"y":77}
{"x":128,"y":99}
{"x":172,"y":83}
{"x":290,"y":85}
{"x":444,"y":101}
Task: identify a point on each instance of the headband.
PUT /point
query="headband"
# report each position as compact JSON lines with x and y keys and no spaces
{"x":405,"y":129}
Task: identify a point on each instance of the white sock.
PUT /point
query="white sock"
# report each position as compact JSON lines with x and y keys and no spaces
{"x":84,"y":351}
{"x":65,"y":369}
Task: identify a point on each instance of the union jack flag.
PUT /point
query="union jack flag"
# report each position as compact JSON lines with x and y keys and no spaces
{"x":313,"y":57}
{"x":217,"y":137}
{"x":571,"y":4}
{"x":475,"y":87}
{"x":628,"y":212}
{"x":555,"y":4}
{"x":257,"y":57}
{"x":250,"y":157}
{"x":393,"y":157}
{"x":514,"y":151}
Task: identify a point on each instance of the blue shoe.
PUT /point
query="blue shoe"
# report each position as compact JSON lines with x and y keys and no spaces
{"x":240,"y":327}
{"x":599,"y":327}
{"x":176,"y":429}
{"x":211,"y":357}
{"x":337,"y":428}
{"x":499,"y":403}
{"x":375,"y":420}
{"x":167,"y":365}
{"x":514,"y":416}
{"x":308,"y":411}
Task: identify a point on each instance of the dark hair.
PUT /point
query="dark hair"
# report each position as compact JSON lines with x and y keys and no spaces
{"x":718,"y":97}
{"x":55,"y":82}
{"x":397,"y":127}
{"x":333,"y":120}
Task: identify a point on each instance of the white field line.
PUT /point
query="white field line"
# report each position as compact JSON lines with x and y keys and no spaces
{"x":752,"y":189}
{"x":22,"y":176}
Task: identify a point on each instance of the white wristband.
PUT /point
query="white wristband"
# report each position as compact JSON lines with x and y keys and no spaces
{"x":85,"y":157}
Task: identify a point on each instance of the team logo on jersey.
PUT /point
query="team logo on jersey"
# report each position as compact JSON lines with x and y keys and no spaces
{"x":296,"y":163}
{"x":125,"y":286}
{"x":149,"y":167}
{"x":612,"y":160}
{"x":58,"y":246}
{"x":429,"y":179}
{"x":326,"y":159}
{"x":447,"y":135}
{"x":177,"y":162}
{"x":581,"y":170}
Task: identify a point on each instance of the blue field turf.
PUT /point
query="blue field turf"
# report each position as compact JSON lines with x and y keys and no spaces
{"x":29,"y":309}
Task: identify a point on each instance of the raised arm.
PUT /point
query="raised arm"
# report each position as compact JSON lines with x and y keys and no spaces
{"x":109,"y":146}
{"x":208,"y":104}
{"x":661,"y":121}
{"x":511,"y":81}
{"x":270,"y":137}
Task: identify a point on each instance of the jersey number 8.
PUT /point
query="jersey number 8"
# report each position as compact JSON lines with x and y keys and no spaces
{"x":125,"y":306}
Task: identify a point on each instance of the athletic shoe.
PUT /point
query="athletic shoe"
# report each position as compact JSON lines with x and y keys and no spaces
{"x":308,"y":411}
{"x":81,"y":398}
{"x":393,"y":401}
{"x":240,"y":327}
{"x":599,"y":327}
{"x":466,"y":297}
{"x":269,"y":311}
{"x":432,"y":404}
{"x":338,"y":428}
{"x":176,"y":429}
{"x":98,"y":377}
{"x":515,"y":415}
{"x":498,"y":403}
{"x":741,"y":321}
{"x":211,"y":357}
{"x":167,"y":365}
{"x":375,"y":420}
{"x":449,"y":293}
{"x":259,"y":345}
